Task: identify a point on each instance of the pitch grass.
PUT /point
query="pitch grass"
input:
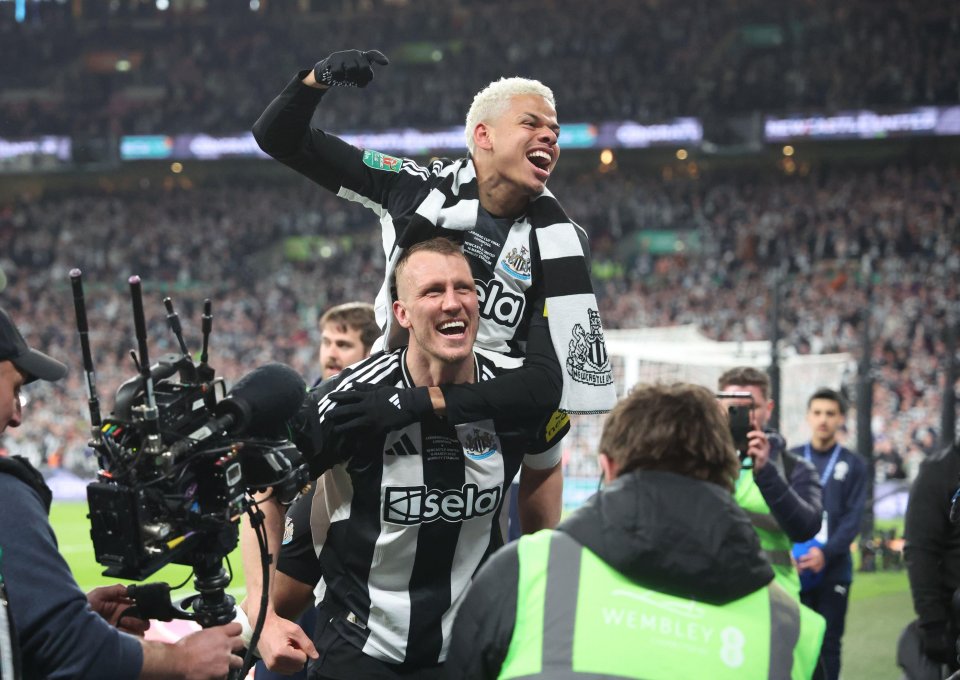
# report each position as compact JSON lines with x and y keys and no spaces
{"x":880,"y":603}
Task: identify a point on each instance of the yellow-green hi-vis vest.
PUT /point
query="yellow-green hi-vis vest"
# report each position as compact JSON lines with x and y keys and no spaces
{"x":775,"y":543}
{"x":579,"y":618}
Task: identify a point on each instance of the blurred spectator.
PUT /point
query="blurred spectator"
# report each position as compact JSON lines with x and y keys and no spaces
{"x":129,"y":68}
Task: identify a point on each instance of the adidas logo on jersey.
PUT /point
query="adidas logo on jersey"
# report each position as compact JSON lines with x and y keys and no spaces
{"x":395,"y":400}
{"x":498,"y":304}
{"x":403,"y":447}
{"x":409,"y":505}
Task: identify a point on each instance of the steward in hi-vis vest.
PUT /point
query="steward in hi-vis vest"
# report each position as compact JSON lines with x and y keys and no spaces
{"x":660,"y":575}
{"x":776,"y":544}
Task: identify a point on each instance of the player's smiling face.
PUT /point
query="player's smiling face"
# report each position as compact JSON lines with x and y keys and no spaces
{"x":438,"y":304}
{"x":524,"y":138}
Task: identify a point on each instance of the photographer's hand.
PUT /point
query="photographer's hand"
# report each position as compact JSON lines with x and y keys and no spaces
{"x":758,"y":449}
{"x":283,"y":645}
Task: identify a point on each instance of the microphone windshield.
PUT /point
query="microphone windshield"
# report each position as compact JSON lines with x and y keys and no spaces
{"x":264,"y":399}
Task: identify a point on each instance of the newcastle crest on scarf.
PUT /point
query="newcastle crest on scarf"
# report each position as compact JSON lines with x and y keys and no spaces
{"x":587,"y":360}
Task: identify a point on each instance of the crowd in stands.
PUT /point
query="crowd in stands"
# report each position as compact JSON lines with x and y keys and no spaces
{"x":849,"y":243}
{"x":107,"y":69}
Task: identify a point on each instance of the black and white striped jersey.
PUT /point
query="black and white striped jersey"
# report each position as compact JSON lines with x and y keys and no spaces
{"x":502,"y":252}
{"x":402,"y":520}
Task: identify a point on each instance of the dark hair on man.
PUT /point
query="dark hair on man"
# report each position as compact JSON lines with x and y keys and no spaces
{"x":357,"y":316}
{"x":440,"y":245}
{"x":746,"y":375}
{"x":677,"y":428}
{"x":832,"y":395}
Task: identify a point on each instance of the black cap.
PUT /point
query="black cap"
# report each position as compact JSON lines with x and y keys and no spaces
{"x":13,"y":348}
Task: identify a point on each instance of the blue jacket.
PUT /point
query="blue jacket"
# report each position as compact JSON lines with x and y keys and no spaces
{"x":59,"y":635}
{"x":844,"y":497}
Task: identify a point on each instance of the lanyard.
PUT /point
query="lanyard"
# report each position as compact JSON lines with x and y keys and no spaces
{"x":827,"y":471}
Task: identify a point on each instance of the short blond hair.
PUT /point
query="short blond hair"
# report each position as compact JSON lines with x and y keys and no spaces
{"x":492,"y":100}
{"x":677,"y":428}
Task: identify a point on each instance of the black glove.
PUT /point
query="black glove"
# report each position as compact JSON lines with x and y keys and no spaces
{"x":938,"y":643}
{"x":379,"y":409}
{"x":350,"y":68}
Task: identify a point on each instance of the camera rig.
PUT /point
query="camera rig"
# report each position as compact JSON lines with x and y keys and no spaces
{"x":178,"y":456}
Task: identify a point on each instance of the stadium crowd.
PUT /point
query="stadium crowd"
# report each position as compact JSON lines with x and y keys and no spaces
{"x":271,"y":257}
{"x":129,"y":68}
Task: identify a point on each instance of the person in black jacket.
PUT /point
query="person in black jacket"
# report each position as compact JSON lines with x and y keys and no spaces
{"x":932,"y":551}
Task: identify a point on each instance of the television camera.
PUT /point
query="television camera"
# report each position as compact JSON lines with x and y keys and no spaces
{"x":179,"y":457}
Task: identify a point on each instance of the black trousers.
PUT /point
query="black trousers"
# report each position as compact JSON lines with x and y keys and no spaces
{"x":830,"y":601}
{"x":342,"y":660}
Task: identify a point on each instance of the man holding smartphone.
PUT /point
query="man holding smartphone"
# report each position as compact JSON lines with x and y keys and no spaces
{"x":780,"y":491}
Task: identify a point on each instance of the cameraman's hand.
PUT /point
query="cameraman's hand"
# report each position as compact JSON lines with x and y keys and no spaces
{"x":110,"y":602}
{"x":381,"y":409}
{"x":209,"y":653}
{"x":937,"y":643}
{"x":350,"y":68}
{"x":283,"y":645}
{"x":758,"y":448}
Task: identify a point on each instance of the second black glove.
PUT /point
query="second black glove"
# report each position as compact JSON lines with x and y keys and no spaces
{"x":381,"y":409}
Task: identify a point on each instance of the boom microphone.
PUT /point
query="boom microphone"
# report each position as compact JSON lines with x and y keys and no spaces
{"x":262,"y":399}
{"x":259,"y":403}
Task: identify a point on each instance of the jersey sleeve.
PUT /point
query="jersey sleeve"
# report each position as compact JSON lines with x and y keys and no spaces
{"x":528,"y":393}
{"x":383,"y":183}
{"x":298,"y":558}
{"x":312,"y":433}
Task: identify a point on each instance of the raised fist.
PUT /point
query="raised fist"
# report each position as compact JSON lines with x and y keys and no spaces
{"x":350,"y":68}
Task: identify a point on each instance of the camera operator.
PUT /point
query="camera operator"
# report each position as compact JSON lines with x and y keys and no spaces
{"x":55,"y":630}
{"x":780,"y":491}
{"x":404,"y":517}
{"x":658,"y":576}
{"x":932,"y":552}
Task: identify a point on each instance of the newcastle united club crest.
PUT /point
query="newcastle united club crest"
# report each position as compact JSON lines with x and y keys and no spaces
{"x":517,"y":263}
{"x":587,"y":359}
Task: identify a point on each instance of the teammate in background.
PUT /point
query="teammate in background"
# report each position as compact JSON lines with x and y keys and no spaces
{"x":779,"y":491}
{"x":403,"y":518}
{"x":528,"y":259}
{"x":348,"y":331}
{"x":658,"y":576}
{"x":932,"y":551}
{"x":843,"y":477}
{"x":53,"y":629}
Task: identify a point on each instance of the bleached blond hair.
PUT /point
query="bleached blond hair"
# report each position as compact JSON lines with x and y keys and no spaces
{"x":492,"y":100}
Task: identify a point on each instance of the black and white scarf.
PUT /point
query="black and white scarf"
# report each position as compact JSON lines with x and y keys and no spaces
{"x":571,"y":307}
